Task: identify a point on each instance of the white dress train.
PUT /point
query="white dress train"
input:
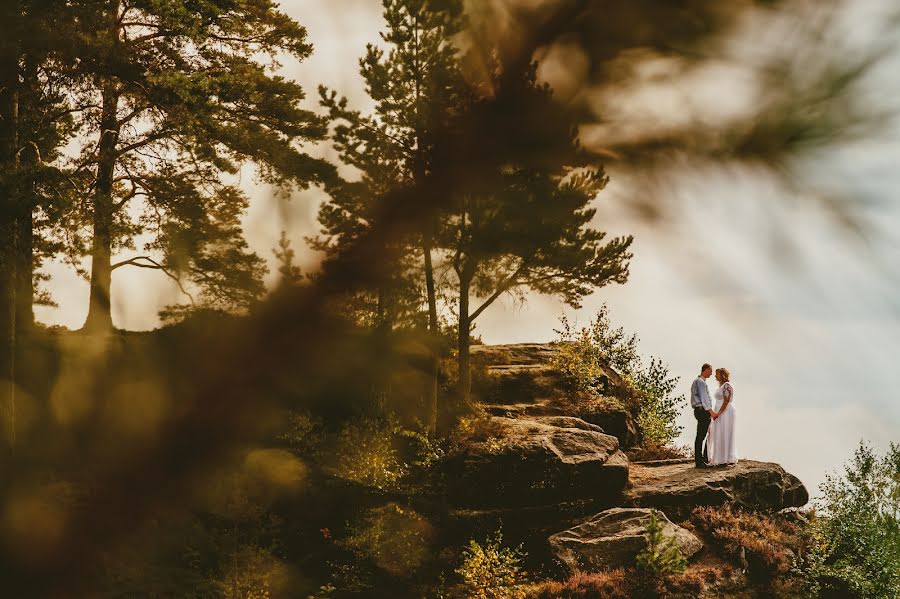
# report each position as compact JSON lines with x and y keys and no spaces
{"x":721,"y":443}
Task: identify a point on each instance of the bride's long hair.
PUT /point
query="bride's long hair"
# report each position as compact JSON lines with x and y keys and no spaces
{"x":723,"y":375}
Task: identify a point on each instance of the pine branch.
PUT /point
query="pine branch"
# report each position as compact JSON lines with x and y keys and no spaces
{"x":153,"y":265}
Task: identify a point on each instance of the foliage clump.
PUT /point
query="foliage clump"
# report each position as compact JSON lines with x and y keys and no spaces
{"x":492,"y":571}
{"x":584,"y":355}
{"x":366,"y":454}
{"x":855,"y":541}
{"x":397,"y":539}
{"x":477,"y":428}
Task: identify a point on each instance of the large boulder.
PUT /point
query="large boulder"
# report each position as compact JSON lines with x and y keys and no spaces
{"x":677,"y":488}
{"x":540,"y":461}
{"x":613,"y":538}
{"x":612,"y":419}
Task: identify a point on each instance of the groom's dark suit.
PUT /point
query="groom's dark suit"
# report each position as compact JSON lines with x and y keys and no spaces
{"x":702,"y":404}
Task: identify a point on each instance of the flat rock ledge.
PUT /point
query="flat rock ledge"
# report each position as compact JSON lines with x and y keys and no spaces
{"x":613,"y":538}
{"x":677,"y":488}
{"x":537,"y":461}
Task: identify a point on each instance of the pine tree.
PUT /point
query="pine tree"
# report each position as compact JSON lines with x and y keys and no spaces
{"x":289,"y":272}
{"x":661,"y":556}
{"x":416,"y":85}
{"x":10,"y":13}
{"x":33,"y":126}
{"x":523,"y":222}
{"x":181,"y":95}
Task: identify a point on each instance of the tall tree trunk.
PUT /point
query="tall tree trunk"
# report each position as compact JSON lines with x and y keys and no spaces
{"x":427,"y":243}
{"x":9,"y":210}
{"x":430,"y":416}
{"x":420,"y":168}
{"x":28,"y":100}
{"x":382,"y":330}
{"x":25,"y":266}
{"x":465,"y":375}
{"x":99,"y":318}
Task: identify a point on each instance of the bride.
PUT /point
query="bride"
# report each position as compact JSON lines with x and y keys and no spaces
{"x":721,"y":430}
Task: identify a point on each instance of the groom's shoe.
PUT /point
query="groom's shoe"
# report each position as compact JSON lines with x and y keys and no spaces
{"x":703,"y":465}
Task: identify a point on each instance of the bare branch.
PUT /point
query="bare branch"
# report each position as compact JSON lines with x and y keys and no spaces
{"x":511,"y":282}
{"x":153,"y":265}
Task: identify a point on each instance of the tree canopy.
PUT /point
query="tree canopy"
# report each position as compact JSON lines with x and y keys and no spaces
{"x":176,"y":96}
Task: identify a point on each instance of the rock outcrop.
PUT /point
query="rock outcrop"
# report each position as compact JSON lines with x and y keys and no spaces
{"x":540,"y":461}
{"x":527,"y":385}
{"x":613,"y":538}
{"x":677,"y":488}
{"x":543,"y":462}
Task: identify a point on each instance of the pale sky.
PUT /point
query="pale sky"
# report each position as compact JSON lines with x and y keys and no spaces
{"x":806,"y":318}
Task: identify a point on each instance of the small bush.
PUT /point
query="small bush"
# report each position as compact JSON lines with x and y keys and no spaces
{"x":366,"y":454}
{"x":584,"y":353}
{"x":661,"y":556}
{"x":397,"y":539}
{"x":491,"y":571}
{"x":478,"y":428}
{"x":251,"y":575}
{"x":302,"y":433}
{"x":660,"y":407}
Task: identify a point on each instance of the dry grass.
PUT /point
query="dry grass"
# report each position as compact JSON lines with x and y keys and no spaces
{"x":613,"y":584}
{"x":764,"y":545}
{"x":659,"y":452}
{"x":629,"y":584}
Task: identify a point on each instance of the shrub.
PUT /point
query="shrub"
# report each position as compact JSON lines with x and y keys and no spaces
{"x":421,"y":450}
{"x":478,"y":428}
{"x":366,"y":454}
{"x":661,"y":556}
{"x":491,"y":571}
{"x":584,"y":353}
{"x":302,"y":433}
{"x":659,"y":408}
{"x":855,"y":542}
{"x":765,"y":545}
{"x":397,"y":539}
{"x":581,"y":357}
{"x":250,"y":576}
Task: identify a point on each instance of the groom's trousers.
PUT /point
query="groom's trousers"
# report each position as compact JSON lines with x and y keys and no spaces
{"x":703,"y":420}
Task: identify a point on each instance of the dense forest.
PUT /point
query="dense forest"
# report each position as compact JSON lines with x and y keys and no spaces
{"x":346,"y":433}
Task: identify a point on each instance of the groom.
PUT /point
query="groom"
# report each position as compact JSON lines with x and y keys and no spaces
{"x":703,"y":411}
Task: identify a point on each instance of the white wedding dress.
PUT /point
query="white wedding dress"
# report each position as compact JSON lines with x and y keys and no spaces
{"x":720,"y":444}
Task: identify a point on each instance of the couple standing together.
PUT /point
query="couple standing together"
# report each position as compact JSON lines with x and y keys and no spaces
{"x":715,"y":426}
